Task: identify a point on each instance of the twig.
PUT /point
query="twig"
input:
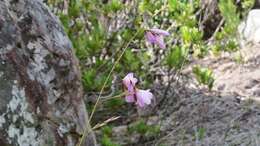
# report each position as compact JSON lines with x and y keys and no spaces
{"x":217,"y":30}
{"x":105,"y":122}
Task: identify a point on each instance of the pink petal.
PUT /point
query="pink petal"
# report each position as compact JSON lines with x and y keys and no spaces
{"x":130,"y":98}
{"x":160,"y":42}
{"x":129,"y":81}
{"x":150,"y":37}
{"x":144,"y":97}
{"x":160,"y":32}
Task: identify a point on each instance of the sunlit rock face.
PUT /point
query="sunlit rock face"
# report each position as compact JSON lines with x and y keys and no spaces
{"x":40,"y":89}
{"x":250,"y":28}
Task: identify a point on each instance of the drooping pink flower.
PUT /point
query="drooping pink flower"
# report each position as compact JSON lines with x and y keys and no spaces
{"x":143,"y":97}
{"x":160,"y":31}
{"x":155,"y":36}
{"x":140,"y":97}
{"x":129,"y":81}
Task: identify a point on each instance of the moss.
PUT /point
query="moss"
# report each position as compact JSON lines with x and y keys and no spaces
{"x":107,"y":130}
{"x":106,"y":141}
{"x":142,"y":128}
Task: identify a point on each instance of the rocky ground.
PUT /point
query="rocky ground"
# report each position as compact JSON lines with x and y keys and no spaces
{"x":230,"y":114}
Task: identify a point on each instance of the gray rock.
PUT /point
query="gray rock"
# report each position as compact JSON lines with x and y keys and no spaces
{"x":250,"y":28}
{"x":40,"y":88}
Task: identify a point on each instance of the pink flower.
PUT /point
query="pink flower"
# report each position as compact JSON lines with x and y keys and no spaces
{"x":155,"y":36}
{"x":129,"y":81}
{"x":144,"y":97}
{"x":140,"y":97}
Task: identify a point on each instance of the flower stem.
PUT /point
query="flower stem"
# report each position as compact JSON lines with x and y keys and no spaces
{"x":116,"y":96}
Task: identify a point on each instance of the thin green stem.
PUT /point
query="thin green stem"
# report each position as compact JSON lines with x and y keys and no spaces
{"x":116,"y":96}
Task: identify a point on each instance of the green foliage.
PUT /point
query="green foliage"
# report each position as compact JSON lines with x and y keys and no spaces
{"x":93,"y":81}
{"x":183,"y":12}
{"x":149,"y":6}
{"x":200,"y":50}
{"x":204,"y":76}
{"x":107,"y":130}
{"x":106,"y":141}
{"x":89,"y":25}
{"x":114,"y":103}
{"x":106,"y":134}
{"x":229,"y":12}
{"x":226,"y":37}
{"x":133,"y":60}
{"x":201,"y":133}
{"x":113,"y":6}
{"x":142,"y":128}
{"x":139,"y":127}
{"x":176,"y":57}
{"x":247,"y":4}
{"x":239,"y":58}
{"x":173,"y":5}
{"x":190,"y":35}
{"x":231,"y":46}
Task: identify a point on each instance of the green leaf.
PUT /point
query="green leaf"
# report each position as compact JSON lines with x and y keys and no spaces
{"x":190,"y":35}
{"x":204,"y":76}
{"x":131,"y":61}
{"x":89,"y":78}
{"x":229,"y":11}
{"x":74,"y":8}
{"x":106,"y":141}
{"x":201,"y":133}
{"x":144,"y":6}
{"x":173,"y":5}
{"x":113,"y":6}
{"x":114,"y":103}
{"x":107,"y":130}
{"x":176,"y":57}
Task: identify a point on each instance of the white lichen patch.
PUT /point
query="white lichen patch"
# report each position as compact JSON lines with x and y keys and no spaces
{"x":19,"y":103}
{"x":2,"y":120}
{"x":49,"y":76}
{"x":38,"y":69}
{"x":33,"y":45}
{"x":1,"y":74}
{"x":6,"y":49}
{"x":12,"y":132}
{"x":15,"y":118}
{"x":60,"y":37}
{"x":28,"y":137}
{"x":13,"y":104}
{"x":19,"y":119}
{"x":63,"y":129}
{"x":63,"y":63}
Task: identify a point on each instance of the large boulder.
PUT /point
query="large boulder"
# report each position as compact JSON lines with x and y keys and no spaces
{"x":250,"y":28}
{"x":40,"y":89}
